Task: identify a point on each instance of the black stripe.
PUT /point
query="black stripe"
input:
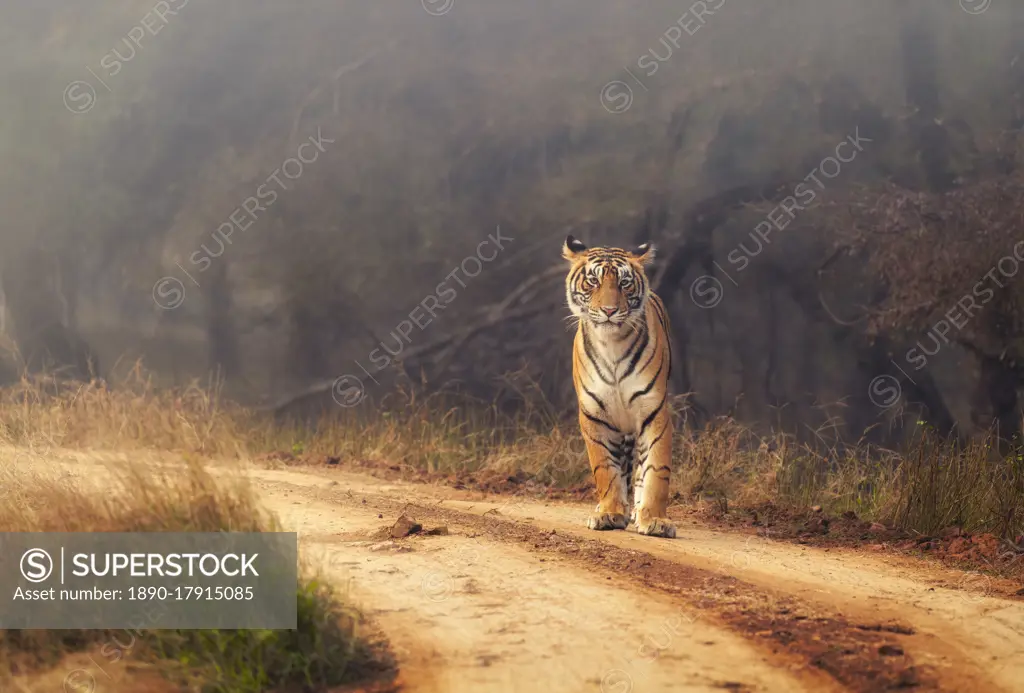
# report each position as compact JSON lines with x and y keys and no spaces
{"x":660,"y":311}
{"x":639,"y":352}
{"x":650,"y":385}
{"x":594,"y":397}
{"x":588,"y":349}
{"x":582,"y":367}
{"x":654,"y":352}
{"x":601,"y":421}
{"x":651,"y":445}
{"x":643,"y":475}
{"x":668,"y":349}
{"x":575,"y":275}
{"x":652,"y":300}
{"x":650,"y":417}
{"x":576,"y":271}
{"x":641,"y":334}
{"x":595,"y":441}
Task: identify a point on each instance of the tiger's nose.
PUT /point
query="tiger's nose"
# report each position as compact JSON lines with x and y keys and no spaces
{"x":610,"y":310}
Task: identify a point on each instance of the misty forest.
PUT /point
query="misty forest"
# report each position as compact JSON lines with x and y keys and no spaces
{"x":315,"y":203}
{"x":301,"y":268}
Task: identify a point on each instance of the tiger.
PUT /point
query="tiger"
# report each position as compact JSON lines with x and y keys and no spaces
{"x":621,"y":365}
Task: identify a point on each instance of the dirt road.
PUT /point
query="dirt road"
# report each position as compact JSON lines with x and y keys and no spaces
{"x":519,"y":596}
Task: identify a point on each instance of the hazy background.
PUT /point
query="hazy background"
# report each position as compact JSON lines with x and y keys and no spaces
{"x":447,"y":120}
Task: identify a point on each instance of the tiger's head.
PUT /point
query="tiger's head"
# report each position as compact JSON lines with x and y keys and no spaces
{"x":606,"y":286}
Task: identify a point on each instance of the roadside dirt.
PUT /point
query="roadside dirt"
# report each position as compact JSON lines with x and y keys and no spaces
{"x":865,"y":622}
{"x":951,"y":547}
{"x":467,"y":614}
{"x":519,"y":596}
{"x":85,"y":673}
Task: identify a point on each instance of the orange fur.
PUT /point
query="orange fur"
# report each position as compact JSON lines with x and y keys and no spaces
{"x":622,"y":362}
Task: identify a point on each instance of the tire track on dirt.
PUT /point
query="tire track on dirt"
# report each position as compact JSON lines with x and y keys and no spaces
{"x":960,"y":620}
{"x":863,"y":657}
{"x":466,"y":613}
{"x":561,"y":568}
{"x":966,"y":629}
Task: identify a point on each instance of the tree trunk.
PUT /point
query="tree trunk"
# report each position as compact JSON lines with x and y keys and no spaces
{"x":222,"y":340}
{"x":307,"y":355}
{"x":40,"y":302}
{"x":928,"y":137}
{"x":994,"y":400}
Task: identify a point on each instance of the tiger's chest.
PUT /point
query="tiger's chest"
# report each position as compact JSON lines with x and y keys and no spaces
{"x":618,"y":410}
{"x":615,"y":380}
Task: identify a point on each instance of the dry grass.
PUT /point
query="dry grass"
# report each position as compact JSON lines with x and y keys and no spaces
{"x":325,"y":650}
{"x":133,"y":498}
{"x":925,"y":486}
{"x":52,"y":413}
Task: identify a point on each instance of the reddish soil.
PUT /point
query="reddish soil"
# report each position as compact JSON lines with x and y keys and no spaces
{"x":950,"y":547}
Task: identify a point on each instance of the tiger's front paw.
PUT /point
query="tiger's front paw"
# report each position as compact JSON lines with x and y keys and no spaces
{"x":657,"y":527}
{"x":602,"y":521}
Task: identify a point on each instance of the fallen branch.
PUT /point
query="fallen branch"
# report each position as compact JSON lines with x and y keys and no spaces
{"x":449,"y":345}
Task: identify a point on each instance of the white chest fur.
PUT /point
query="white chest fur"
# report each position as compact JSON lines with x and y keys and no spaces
{"x":619,"y":356}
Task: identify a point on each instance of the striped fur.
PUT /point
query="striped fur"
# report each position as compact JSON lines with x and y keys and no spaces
{"x":622,"y":361}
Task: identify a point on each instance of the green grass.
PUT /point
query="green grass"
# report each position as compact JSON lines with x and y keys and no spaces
{"x":324,"y":651}
{"x":327,"y":649}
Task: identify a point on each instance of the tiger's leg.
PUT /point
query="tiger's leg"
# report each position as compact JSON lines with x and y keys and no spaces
{"x":629,"y":473}
{"x":654,"y":470}
{"x":636,"y":492}
{"x":607,"y":462}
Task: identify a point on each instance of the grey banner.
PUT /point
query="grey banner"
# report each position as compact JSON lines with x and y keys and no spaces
{"x":145,"y":580}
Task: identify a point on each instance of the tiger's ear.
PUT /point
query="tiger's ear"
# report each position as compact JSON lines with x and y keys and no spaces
{"x":572,"y":248}
{"x":643,"y":253}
